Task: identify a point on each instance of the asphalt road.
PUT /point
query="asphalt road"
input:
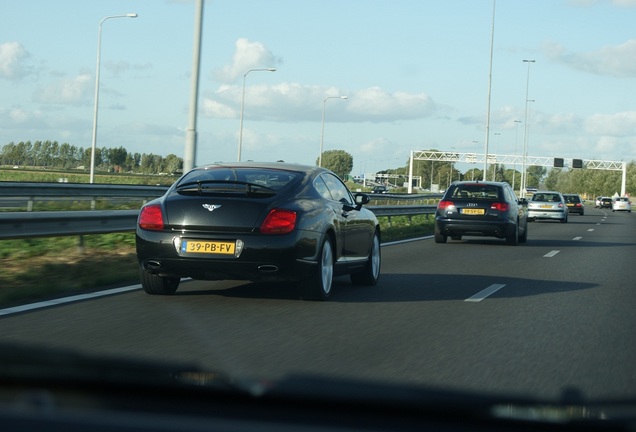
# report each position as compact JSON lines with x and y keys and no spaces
{"x":550,"y":317}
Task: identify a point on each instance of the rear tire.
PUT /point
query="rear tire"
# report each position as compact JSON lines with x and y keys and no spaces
{"x":513,"y":237}
{"x":370,"y":274}
{"x":524,"y":237}
{"x":158,"y":285}
{"x":439,"y":237}
{"x":318,"y":286}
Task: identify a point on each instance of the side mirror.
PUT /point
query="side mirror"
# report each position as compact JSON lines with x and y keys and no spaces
{"x":362,"y":199}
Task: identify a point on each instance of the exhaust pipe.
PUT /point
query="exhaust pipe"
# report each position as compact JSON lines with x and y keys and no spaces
{"x":152,"y":265}
{"x":268,"y":268}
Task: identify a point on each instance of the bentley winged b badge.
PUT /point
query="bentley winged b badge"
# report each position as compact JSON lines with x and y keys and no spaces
{"x":211,"y":207}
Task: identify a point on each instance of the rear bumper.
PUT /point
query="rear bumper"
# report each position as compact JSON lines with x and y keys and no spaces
{"x":275,"y":258}
{"x":451,"y":227}
{"x":546,"y":214}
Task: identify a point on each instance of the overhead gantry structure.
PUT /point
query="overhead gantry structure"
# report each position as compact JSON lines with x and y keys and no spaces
{"x":544,"y":161}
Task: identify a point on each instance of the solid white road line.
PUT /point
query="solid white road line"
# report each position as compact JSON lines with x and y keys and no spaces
{"x":485,"y":293}
{"x":63,"y":300}
{"x":551,"y":254}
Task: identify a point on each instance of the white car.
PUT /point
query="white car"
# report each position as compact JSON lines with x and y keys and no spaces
{"x":622,"y":204}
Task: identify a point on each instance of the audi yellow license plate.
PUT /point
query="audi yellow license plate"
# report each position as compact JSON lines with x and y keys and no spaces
{"x":208,"y":247}
{"x":470,"y":211}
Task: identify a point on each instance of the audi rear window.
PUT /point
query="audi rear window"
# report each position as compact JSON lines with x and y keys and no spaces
{"x":476,"y":192}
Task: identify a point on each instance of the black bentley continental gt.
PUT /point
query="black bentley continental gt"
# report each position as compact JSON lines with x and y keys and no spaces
{"x":258,"y":222}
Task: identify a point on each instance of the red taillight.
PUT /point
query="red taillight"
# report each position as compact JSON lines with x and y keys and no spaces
{"x":501,"y":206}
{"x":151,"y":218}
{"x":443,"y":205}
{"x":279,"y":221}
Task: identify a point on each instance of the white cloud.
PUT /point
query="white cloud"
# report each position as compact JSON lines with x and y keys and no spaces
{"x":618,"y":61}
{"x":12,"y":56}
{"x":624,"y":3}
{"x":247,"y":55}
{"x":117,"y":68}
{"x":620,"y":124}
{"x":214,"y":109}
{"x":376,"y":146}
{"x":619,"y":3}
{"x":295,"y":102}
{"x":376,"y":105}
{"x":73,"y":91}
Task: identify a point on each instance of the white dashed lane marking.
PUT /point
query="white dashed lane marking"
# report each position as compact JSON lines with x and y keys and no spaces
{"x":551,"y":254}
{"x":485,"y":293}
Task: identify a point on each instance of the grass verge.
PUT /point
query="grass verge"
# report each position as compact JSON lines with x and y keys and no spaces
{"x":44,"y":268}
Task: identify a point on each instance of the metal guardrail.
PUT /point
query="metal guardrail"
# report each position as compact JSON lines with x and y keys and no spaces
{"x":25,"y":194}
{"x":29,"y":224}
{"x":18,"y":225}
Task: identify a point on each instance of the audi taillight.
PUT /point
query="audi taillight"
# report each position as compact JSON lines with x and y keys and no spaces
{"x":443,"y":205}
{"x":151,"y":218}
{"x":500,"y":206}
{"x":279,"y":221}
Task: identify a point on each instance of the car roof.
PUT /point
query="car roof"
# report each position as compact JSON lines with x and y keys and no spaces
{"x":307,"y":169}
{"x":478,"y":182}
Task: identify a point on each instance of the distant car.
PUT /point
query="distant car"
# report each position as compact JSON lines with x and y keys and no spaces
{"x":380,"y":189}
{"x":622,"y":204}
{"x":548,"y":205}
{"x":605,"y":202}
{"x":476,"y":208}
{"x":597,"y":202}
{"x":574,"y":203}
{"x":258,"y":222}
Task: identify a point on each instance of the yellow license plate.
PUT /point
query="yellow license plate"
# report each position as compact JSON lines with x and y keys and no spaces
{"x":208,"y":247}
{"x":546,"y":206}
{"x":470,"y":211}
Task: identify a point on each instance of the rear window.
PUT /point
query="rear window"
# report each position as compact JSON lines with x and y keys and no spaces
{"x":475,"y":191}
{"x":269,"y":178}
{"x":546,"y":197}
{"x":572,"y":198}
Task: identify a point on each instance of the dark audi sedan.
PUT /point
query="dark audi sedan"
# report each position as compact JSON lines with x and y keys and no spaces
{"x":258,"y":222}
{"x":477,"y":208}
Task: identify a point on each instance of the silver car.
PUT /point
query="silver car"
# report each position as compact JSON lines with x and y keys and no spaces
{"x":547,"y":205}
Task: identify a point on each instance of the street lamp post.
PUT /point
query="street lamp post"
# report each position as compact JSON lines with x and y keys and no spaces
{"x":514,"y":171}
{"x":240,"y":143}
{"x":95,"y":107}
{"x":494,"y":166}
{"x":452,"y":168}
{"x":322,"y":132}
{"x":524,"y":155}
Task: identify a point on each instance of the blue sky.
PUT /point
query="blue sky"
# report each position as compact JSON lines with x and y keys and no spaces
{"x":415,"y":73}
